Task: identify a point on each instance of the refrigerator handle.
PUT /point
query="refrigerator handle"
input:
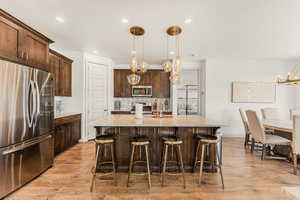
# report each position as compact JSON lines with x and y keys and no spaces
{"x":25,"y":145}
{"x":38,"y":109}
{"x":30,"y":113}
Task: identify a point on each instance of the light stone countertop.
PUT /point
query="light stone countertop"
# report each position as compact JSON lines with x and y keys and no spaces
{"x":192,"y":121}
{"x":65,"y":114}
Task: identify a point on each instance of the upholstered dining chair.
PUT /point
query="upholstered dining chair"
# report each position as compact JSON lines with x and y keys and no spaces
{"x":270,"y":114}
{"x":258,"y":133}
{"x":296,"y":141}
{"x":246,"y":127}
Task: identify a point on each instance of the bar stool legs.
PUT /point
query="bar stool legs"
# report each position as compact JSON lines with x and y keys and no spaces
{"x":202,"y":162}
{"x":165,"y":153}
{"x":131,"y":163}
{"x":95,"y":169}
{"x":104,"y":140}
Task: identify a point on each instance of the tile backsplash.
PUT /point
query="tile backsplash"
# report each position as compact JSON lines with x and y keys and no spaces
{"x":127,"y":103}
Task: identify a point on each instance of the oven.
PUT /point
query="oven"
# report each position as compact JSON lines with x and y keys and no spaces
{"x":141,"y":91}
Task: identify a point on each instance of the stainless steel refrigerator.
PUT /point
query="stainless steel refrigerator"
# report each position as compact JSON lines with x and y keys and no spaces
{"x":26,"y":124}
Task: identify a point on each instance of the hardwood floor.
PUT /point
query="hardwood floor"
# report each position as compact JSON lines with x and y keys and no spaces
{"x":245,"y":176}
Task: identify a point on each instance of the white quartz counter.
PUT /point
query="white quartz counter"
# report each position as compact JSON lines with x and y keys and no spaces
{"x":65,"y":114}
{"x":149,"y":121}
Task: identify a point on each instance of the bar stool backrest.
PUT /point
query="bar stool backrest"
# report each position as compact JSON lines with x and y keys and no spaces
{"x":296,"y":134}
{"x":245,"y":121}
{"x":270,"y":114}
{"x":256,"y":128}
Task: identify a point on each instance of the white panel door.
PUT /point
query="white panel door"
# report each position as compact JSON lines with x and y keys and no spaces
{"x":97,"y":95}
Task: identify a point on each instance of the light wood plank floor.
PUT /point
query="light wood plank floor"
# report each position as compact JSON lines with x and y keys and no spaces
{"x":246,"y":177}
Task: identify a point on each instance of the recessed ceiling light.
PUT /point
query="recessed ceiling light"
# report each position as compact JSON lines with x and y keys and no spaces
{"x":60,"y":19}
{"x":171,"y":52}
{"x":95,"y":52}
{"x":124,"y":20}
{"x":188,"y":20}
{"x":133,"y":52}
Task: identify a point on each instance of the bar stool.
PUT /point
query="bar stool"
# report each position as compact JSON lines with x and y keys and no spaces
{"x":172,"y":141}
{"x":103,"y":140}
{"x":139,"y":141}
{"x":205,"y":141}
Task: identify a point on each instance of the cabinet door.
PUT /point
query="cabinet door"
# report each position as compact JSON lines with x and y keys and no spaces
{"x":146,"y":78}
{"x":165,"y":84}
{"x":58,"y":140}
{"x":35,"y":50}
{"x":76,"y":131}
{"x":125,"y":85}
{"x":54,"y":63}
{"x":9,"y":39}
{"x":117,"y":83}
{"x":121,"y":86}
{"x":66,"y":80}
{"x":156,"y":86}
{"x":160,"y":84}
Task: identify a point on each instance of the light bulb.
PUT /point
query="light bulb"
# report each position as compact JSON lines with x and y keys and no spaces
{"x":143,"y":66}
{"x":175,"y":79}
{"x":167,"y":66}
{"x":177,"y":64}
{"x":133,"y":64}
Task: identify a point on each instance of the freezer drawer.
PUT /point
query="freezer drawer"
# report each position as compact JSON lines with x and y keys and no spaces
{"x":21,"y":163}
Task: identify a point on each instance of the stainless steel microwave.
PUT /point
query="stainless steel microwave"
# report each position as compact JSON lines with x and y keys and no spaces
{"x":141,"y":91}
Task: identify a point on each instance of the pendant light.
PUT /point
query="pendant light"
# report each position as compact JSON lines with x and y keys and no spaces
{"x":174,"y":64}
{"x":136,"y":67}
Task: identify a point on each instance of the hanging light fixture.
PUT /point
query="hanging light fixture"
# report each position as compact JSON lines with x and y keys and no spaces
{"x":291,"y":78}
{"x":136,"y":67}
{"x":174,"y":64}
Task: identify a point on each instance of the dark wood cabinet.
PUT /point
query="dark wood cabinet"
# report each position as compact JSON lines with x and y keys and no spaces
{"x":61,"y":67}
{"x":67,"y":132}
{"x":121,"y":86}
{"x":9,"y":39}
{"x":22,"y":44}
{"x":158,"y":79}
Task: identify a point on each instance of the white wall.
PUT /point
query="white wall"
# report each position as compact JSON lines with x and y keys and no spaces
{"x":220,"y":73}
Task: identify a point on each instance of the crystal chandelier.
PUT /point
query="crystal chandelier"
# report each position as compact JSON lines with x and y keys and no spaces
{"x":136,"y":67}
{"x":173,"y":65}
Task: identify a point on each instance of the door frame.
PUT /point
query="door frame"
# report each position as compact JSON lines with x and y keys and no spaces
{"x":88,"y":58}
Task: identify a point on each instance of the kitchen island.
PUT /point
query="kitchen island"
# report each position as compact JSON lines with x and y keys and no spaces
{"x":126,"y":126}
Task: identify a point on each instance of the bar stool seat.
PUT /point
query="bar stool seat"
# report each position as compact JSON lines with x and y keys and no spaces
{"x":172,"y":140}
{"x":104,"y":139}
{"x":140,"y":140}
{"x":207,"y":138}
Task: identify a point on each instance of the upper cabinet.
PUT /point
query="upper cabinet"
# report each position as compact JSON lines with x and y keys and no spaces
{"x":158,"y":79}
{"x":121,"y":86}
{"x":22,"y":44}
{"x":61,"y":67}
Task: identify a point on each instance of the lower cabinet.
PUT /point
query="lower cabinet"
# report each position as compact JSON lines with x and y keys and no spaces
{"x":67,"y":132}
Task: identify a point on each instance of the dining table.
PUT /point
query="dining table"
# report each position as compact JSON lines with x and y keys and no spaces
{"x":283,"y":128}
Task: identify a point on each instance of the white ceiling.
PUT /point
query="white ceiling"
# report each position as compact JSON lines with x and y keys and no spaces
{"x":256,"y":29}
